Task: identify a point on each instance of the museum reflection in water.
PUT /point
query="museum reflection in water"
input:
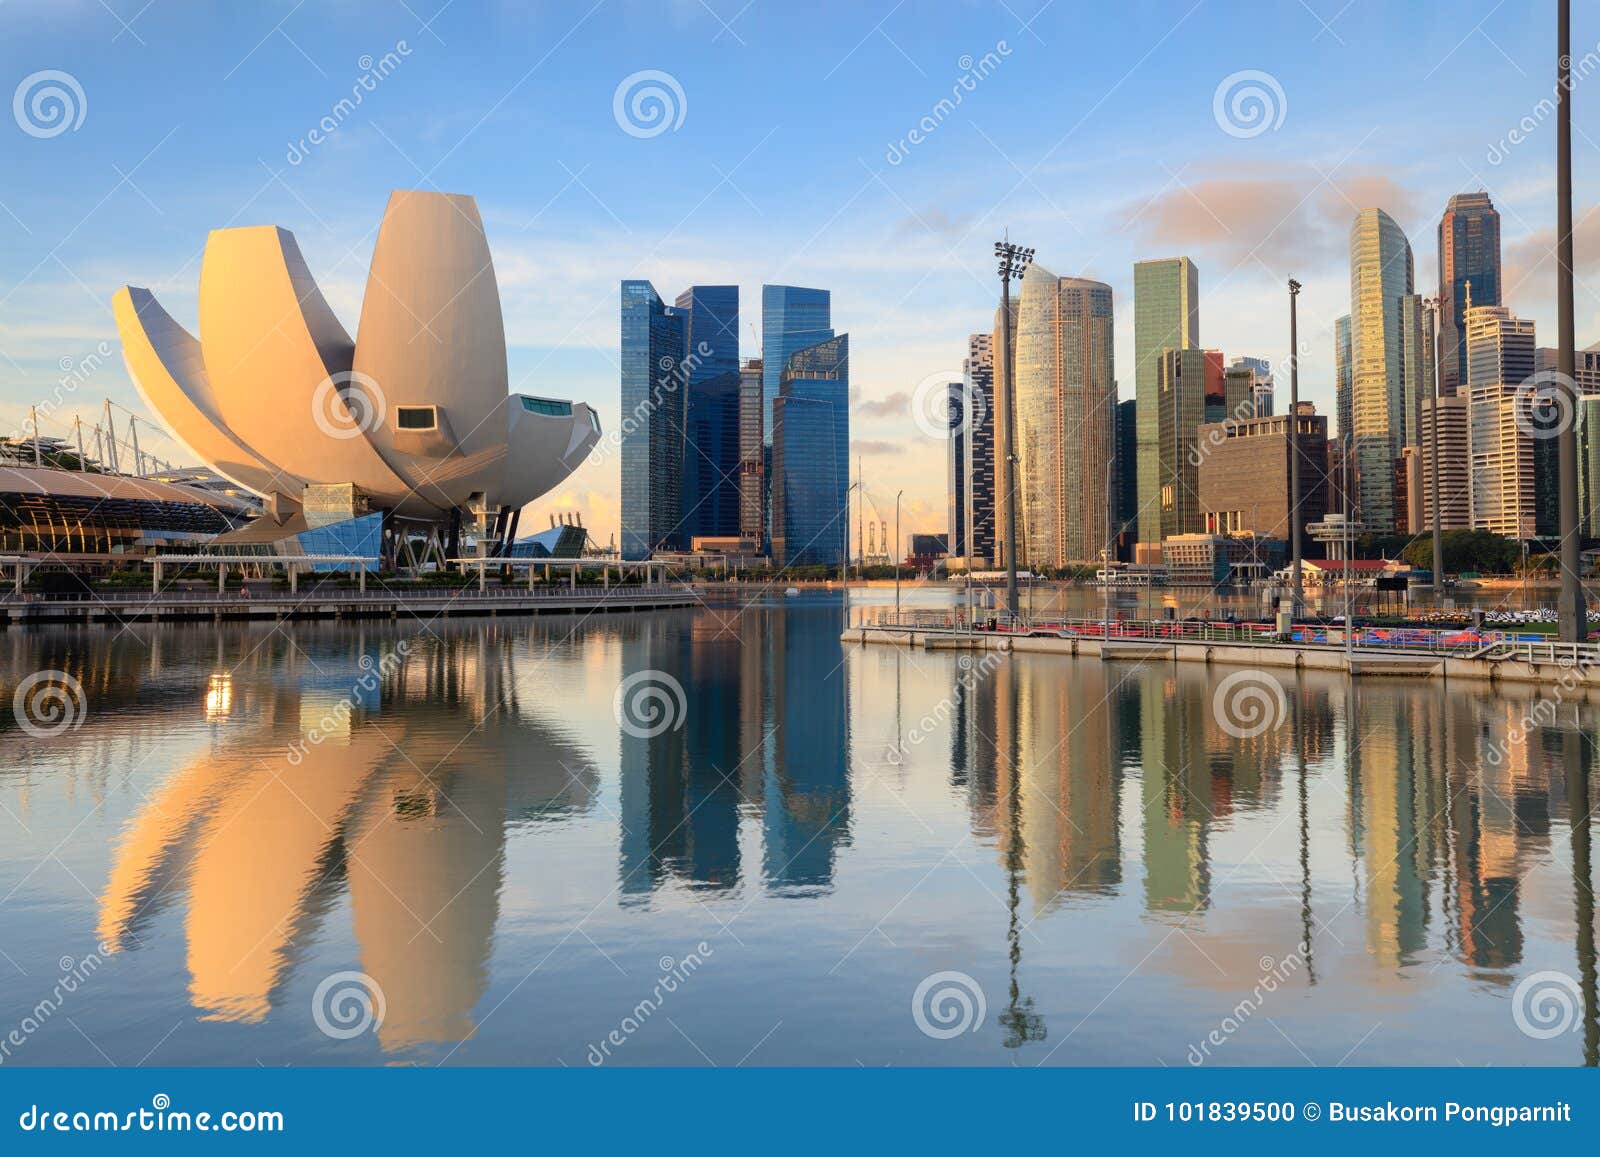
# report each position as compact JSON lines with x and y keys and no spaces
{"x":383,"y":770}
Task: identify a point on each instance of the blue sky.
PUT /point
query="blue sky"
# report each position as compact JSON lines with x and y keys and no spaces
{"x":1093,"y":136}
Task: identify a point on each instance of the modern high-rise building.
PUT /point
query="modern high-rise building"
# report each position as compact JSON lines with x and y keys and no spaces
{"x":979,"y":489}
{"x":653,"y":343}
{"x":1381,"y":274}
{"x":752,"y":457}
{"x":1455,"y":471}
{"x":1004,"y":346}
{"x":1500,"y":358}
{"x":958,"y":452}
{"x":792,"y":318}
{"x":1184,"y":379}
{"x":1469,"y":251}
{"x":811,"y":456}
{"x":711,"y":410}
{"x":1416,"y":364}
{"x":1127,"y":475}
{"x":1166,"y":315}
{"x":1066,"y":412}
{"x":1342,"y":377}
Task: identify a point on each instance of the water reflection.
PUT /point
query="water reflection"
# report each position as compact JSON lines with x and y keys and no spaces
{"x":295,"y":802}
{"x":359,"y":792}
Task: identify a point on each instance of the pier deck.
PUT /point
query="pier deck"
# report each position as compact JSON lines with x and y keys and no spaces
{"x":1412,"y":653}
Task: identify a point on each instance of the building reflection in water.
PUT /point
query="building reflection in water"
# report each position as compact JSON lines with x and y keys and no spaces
{"x":398,"y":791}
{"x":765,"y":735}
{"x":1428,"y":821}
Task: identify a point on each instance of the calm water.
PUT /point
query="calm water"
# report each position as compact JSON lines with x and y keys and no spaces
{"x":254,"y":836}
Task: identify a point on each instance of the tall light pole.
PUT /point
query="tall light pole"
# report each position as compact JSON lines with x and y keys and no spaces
{"x":1572,"y":610}
{"x":1432,"y":305}
{"x":1294,"y":444}
{"x":1014,"y":259}
{"x":896,"y":549}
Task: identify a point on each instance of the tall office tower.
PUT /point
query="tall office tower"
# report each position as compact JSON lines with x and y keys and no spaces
{"x":752,"y":461}
{"x":1127,"y":475}
{"x":1004,"y":347}
{"x":1500,"y":357}
{"x":1455,"y":457}
{"x":1342,"y":375}
{"x":1469,"y":250}
{"x":1380,"y":275}
{"x":811,"y":456}
{"x":1065,"y":412}
{"x":792,"y":318}
{"x":1416,"y":364}
{"x":711,"y":410}
{"x":1166,"y":315}
{"x":1184,"y":379}
{"x":653,"y":337}
{"x":979,"y":373}
{"x":958,"y":450}
{"x":1261,"y":388}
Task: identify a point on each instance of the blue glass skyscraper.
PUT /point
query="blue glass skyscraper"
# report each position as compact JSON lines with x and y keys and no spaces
{"x":711,"y":410}
{"x":811,"y":456}
{"x":652,"y":423}
{"x":792,"y":318}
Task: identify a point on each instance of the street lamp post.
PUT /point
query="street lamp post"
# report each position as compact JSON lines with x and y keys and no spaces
{"x":1573,"y":611}
{"x":1432,"y":305}
{"x":1013,"y":259}
{"x":1294,"y":445}
{"x":896,"y":549}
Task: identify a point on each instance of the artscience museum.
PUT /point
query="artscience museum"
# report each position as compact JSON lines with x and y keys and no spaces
{"x":412,"y":420}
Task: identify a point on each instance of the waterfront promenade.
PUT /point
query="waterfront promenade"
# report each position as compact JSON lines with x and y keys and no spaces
{"x":336,"y":603}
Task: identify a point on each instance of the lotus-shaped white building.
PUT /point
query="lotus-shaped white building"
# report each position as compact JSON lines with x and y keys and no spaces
{"x":414,"y":413}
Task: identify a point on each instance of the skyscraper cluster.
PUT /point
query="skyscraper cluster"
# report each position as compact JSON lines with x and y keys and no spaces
{"x":1491,"y":433}
{"x":1093,"y":475}
{"x":715,"y":450}
{"x":1203,"y":449}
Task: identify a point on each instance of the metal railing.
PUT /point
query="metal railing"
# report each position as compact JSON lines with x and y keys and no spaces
{"x":1463,"y":642}
{"x":339,"y":595}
